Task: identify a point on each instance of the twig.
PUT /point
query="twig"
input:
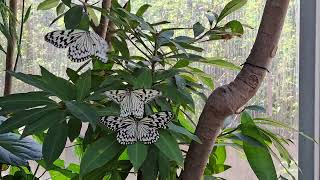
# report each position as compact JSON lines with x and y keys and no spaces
{"x":20,"y":38}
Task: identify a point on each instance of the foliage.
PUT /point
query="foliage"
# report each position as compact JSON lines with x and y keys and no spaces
{"x":164,"y":62}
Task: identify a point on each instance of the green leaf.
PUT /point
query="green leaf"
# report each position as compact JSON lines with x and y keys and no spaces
{"x":246,"y":118}
{"x":54,"y":142}
{"x":83,"y":112}
{"x":83,"y":85}
{"x":67,"y":2}
{"x":235,"y":26}
{"x":48,"y":82}
{"x":73,"y":75}
{"x":21,"y":101}
{"x":93,"y":16}
{"x":60,"y":8}
{"x":181,"y":63}
{"x":207,"y":81}
{"x":231,"y":7}
{"x":260,"y":161}
{"x":22,"y":118}
{"x":142,"y":9}
{"x":121,"y":46}
{"x":164,"y":166}
{"x":27,"y":15}
{"x":44,"y":122}
{"x":137,"y":154}
{"x":198,"y":29}
{"x":181,"y":130}
{"x":74,"y":128}
{"x":144,"y":79}
{"x":57,"y":85}
{"x":179,"y":96}
{"x":99,"y":153}
{"x":150,"y":166}
{"x":169,"y":147}
{"x":48,"y":4}
{"x":222,"y":63}
{"x":73,"y":16}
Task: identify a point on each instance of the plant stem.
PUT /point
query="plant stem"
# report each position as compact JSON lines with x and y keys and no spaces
{"x":20,"y":37}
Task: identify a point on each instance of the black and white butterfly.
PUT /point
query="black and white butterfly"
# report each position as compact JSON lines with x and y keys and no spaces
{"x":132,"y":101}
{"x":82,"y":44}
{"x":129,"y":130}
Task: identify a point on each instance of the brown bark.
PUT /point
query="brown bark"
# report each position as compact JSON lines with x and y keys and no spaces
{"x":103,"y":25}
{"x":227,"y":99}
{"x":11,"y":47}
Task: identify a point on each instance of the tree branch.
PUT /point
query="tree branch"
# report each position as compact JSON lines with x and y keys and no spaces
{"x":227,"y":99}
{"x":11,"y":48}
{"x":103,"y":26}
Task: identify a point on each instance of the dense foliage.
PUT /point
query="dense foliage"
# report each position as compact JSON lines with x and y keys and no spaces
{"x":161,"y":60}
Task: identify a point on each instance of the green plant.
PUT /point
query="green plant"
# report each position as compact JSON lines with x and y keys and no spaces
{"x":144,"y":55}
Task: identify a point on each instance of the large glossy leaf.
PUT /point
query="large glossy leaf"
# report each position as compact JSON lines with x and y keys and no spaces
{"x":73,"y":16}
{"x":144,"y":79}
{"x":164,"y":166}
{"x":260,"y":161}
{"x":49,"y":83}
{"x":142,"y":9}
{"x":222,"y":63}
{"x":137,"y":154}
{"x":44,"y":122}
{"x":23,"y":118}
{"x":21,"y":101}
{"x":74,"y":128}
{"x":54,"y":142}
{"x":83,"y":85}
{"x":57,"y":85}
{"x":48,"y":4}
{"x":198,"y":29}
{"x":99,"y":153}
{"x":181,"y":130}
{"x":83,"y":111}
{"x":150,"y":167}
{"x":169,"y":147}
{"x":231,"y":7}
{"x":16,"y":151}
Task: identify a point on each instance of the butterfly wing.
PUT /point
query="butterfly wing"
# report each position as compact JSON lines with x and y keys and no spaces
{"x":63,"y":38}
{"x":148,"y":126}
{"x":157,"y":120}
{"x":139,"y":97}
{"x":127,"y":134}
{"x":82,"y":49}
{"x":146,"y":95}
{"x":116,"y":95}
{"x":99,"y":46}
{"x":136,"y":106}
{"x":112,"y":122}
{"x":125,"y":127}
{"x":146,"y":134}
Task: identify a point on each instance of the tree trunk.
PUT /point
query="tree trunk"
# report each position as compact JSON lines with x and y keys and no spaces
{"x":11,"y":47}
{"x":227,"y":99}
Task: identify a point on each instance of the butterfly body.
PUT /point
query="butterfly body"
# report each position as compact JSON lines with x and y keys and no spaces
{"x":132,"y":101}
{"x":129,"y":130}
{"x":82,"y":44}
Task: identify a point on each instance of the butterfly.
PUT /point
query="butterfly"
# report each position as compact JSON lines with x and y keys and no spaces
{"x":82,"y":44}
{"x":129,"y":130}
{"x":132,"y":101}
